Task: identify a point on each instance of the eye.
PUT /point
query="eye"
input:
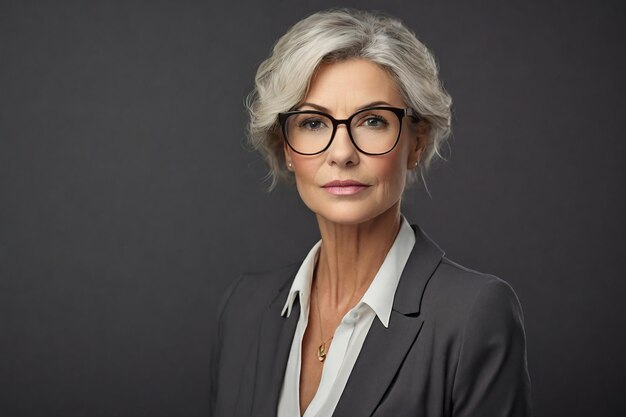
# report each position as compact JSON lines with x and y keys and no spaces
{"x":312,"y":124}
{"x":374,"y":121}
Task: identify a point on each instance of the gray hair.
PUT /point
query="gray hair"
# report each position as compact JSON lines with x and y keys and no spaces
{"x":283,"y":79}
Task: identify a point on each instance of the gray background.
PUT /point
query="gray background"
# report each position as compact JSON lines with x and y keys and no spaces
{"x":128,"y":201}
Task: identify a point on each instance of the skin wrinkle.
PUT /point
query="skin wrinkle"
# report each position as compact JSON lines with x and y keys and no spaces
{"x":352,"y":251}
{"x":346,"y":267}
{"x":357,"y":230}
{"x":354,"y":246}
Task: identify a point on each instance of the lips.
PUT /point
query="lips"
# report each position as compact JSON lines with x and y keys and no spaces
{"x":345,"y":187}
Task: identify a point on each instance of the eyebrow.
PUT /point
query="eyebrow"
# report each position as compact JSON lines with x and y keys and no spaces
{"x":325,"y":110}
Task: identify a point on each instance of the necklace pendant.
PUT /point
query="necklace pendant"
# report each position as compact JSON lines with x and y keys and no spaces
{"x":321,"y":352}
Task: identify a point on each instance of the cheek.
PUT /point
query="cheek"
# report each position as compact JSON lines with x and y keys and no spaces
{"x":305,"y":169}
{"x":392,"y":175}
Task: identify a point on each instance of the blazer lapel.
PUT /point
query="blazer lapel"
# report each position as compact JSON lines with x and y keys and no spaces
{"x":274,"y":343}
{"x":384,"y":349}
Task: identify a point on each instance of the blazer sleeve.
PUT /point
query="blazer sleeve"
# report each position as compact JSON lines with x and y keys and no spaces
{"x":492,"y":372}
{"x":216,"y":345}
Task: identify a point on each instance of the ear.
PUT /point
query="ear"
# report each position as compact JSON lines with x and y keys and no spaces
{"x":422,"y":132}
{"x":288,"y":162}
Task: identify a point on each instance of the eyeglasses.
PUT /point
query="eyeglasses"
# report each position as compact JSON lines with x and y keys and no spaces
{"x":373,"y":131}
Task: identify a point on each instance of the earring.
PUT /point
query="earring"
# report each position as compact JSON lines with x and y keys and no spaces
{"x":416,"y":164}
{"x":289,"y":166}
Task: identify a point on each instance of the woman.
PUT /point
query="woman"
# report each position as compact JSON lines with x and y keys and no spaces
{"x":375,"y":320}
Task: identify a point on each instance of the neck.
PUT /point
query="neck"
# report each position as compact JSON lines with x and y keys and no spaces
{"x":350,"y":257}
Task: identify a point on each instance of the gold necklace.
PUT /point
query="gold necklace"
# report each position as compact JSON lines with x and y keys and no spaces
{"x":321,"y":350}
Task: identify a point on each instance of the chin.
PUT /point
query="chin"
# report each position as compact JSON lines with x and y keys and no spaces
{"x":348,"y":214}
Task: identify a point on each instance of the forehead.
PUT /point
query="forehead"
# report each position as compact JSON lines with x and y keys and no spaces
{"x":350,"y":84}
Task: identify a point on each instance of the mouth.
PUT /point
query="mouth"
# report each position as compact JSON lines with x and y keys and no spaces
{"x":345,"y":187}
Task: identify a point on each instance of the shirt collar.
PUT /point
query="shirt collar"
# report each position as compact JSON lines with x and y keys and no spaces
{"x":380,"y":294}
{"x":301,"y":285}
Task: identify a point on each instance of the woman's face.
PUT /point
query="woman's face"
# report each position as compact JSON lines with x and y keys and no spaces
{"x":341,"y":89}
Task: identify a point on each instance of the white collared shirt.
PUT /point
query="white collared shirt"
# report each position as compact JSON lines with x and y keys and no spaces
{"x":350,"y":333}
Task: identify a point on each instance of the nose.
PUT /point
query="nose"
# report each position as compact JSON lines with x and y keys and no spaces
{"x":341,"y":151}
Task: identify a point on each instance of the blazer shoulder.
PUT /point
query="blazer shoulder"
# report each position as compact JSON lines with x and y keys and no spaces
{"x":461,"y":278}
{"x":486,"y":328}
{"x":456,"y":291}
{"x":269,"y":283}
{"x":253,"y":292}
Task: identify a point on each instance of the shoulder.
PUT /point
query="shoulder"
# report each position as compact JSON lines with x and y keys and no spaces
{"x":457,"y":297}
{"x":245,"y":302}
{"x":444,"y":291}
{"x":264,"y":284}
{"x":254,"y":292}
{"x":259,"y":287}
{"x":460,"y":283}
{"x":241,"y":311}
{"x":483,"y":325}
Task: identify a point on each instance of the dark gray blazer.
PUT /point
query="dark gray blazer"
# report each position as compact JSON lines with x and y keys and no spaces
{"x":455,"y":346}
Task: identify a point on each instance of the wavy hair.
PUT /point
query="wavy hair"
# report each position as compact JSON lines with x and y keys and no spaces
{"x":283,"y":79}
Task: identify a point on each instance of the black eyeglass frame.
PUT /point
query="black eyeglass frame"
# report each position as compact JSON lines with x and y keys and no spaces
{"x":399,"y":112}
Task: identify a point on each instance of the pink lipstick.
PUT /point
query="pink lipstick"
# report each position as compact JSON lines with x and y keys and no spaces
{"x":346,"y":187}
